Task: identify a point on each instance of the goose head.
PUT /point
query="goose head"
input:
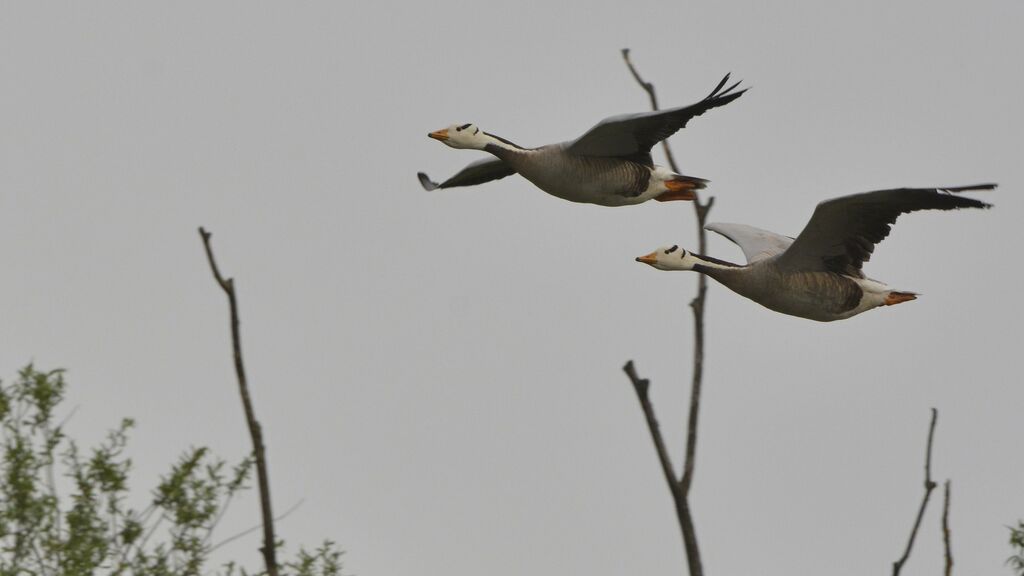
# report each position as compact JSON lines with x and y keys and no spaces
{"x":461,"y":136}
{"x":670,"y":258}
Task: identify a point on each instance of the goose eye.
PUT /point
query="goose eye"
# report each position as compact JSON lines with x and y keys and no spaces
{"x":463,"y":127}
{"x":672,"y":249}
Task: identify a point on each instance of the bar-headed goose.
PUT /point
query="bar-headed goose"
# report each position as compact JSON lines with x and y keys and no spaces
{"x":610,"y":165}
{"x":818,"y":274}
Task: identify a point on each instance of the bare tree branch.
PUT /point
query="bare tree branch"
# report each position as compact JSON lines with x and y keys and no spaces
{"x":641,"y":386}
{"x":945,"y":531}
{"x":697,"y":305}
{"x":269,"y":549}
{"x":681,"y":489}
{"x":929,"y":485}
{"x":675,"y":487}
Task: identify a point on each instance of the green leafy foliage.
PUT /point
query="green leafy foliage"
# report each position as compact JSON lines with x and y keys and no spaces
{"x":90,"y":530}
{"x":1016,"y":561}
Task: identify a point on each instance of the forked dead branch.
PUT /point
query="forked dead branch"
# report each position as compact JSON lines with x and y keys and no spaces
{"x":929,"y":485}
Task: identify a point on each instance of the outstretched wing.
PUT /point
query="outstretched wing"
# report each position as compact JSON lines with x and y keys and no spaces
{"x":636,"y":134}
{"x":842,"y":233}
{"x":757,"y":244}
{"x":476,"y":173}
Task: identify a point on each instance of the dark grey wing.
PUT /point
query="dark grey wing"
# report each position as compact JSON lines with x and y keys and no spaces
{"x":636,"y":134}
{"x":476,"y":173}
{"x":842,"y":233}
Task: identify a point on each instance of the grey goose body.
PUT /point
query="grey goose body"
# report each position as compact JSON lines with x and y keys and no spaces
{"x":588,"y":179}
{"x":818,"y":275}
{"x":610,"y":165}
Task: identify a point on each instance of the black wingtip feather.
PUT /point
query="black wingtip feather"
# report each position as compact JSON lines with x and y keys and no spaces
{"x":426,"y":182}
{"x":731,"y":88}
{"x":990,"y":186}
{"x":720,"y":96}
{"x":719,"y":87}
{"x":970,"y":202}
{"x":723,"y":99}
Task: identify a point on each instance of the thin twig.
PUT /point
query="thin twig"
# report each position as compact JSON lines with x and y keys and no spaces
{"x":929,"y":485}
{"x":68,"y":417}
{"x":945,"y":531}
{"x":141,"y":544}
{"x":641,"y":386}
{"x":220,"y":516}
{"x":255,"y":528}
{"x":269,"y":549}
{"x":681,"y":490}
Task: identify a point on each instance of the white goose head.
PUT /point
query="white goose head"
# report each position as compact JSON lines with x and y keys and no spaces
{"x":462,"y":136}
{"x":670,"y":258}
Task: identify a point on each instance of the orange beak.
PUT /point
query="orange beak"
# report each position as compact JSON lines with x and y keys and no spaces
{"x":648,"y":259}
{"x":441,"y":134}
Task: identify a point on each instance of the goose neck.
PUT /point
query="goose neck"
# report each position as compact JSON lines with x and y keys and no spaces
{"x":709,"y":265}
{"x":501,"y":147}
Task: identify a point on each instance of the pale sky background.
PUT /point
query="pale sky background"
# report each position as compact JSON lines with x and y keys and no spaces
{"x":439,"y":374}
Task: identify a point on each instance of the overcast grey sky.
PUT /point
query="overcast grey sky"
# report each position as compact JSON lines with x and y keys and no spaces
{"x":438,"y":374}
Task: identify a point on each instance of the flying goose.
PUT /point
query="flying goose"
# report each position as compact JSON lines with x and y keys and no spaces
{"x":610,"y":165}
{"x":818,"y":274}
